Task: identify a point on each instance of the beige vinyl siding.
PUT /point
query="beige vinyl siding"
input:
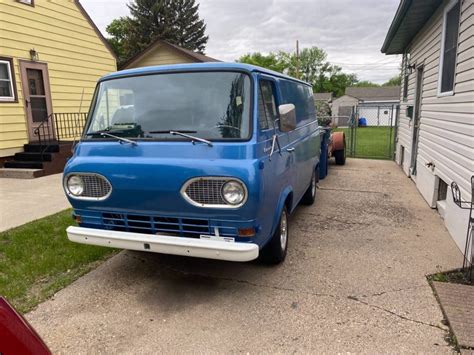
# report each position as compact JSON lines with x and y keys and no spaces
{"x":447,"y":123}
{"x":161,"y":55}
{"x":67,"y":43}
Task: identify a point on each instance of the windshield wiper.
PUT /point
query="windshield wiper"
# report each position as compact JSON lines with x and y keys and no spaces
{"x":169,"y":132}
{"x":193,"y":138}
{"x":121,"y":139}
{"x":183,"y":134}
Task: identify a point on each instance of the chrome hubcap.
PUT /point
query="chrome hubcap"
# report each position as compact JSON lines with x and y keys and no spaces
{"x":313,"y":185}
{"x":283,"y":230}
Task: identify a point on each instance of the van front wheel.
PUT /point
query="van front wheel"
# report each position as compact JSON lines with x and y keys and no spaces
{"x":275,"y":250}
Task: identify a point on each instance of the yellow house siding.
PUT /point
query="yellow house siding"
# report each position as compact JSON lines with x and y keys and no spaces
{"x":161,"y":55}
{"x":67,"y":43}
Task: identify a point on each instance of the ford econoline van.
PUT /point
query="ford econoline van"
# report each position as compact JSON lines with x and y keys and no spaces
{"x":203,"y":160}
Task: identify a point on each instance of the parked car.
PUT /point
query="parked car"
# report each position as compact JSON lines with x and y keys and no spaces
{"x":203,"y":160}
{"x":17,"y":336}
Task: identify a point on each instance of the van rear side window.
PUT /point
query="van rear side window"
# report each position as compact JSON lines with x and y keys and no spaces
{"x":267,"y":110}
{"x":301,"y":96}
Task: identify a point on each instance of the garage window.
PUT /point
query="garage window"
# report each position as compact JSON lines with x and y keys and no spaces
{"x":449,"y":49}
{"x":7,"y":84}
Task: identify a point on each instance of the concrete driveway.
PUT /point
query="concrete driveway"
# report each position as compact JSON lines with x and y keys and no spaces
{"x":354,"y":281}
{"x":23,"y":201}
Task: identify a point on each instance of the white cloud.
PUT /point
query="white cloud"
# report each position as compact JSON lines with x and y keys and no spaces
{"x":351,"y":32}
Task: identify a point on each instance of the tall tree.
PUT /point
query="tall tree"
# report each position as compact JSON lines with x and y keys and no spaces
{"x":119,"y":29}
{"x":366,"y":84}
{"x":395,"y":81}
{"x":188,"y":29}
{"x":270,"y":61}
{"x":312,"y":67}
{"x":176,"y":21}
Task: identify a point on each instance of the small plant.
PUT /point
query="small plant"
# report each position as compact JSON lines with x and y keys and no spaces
{"x":454,"y":276}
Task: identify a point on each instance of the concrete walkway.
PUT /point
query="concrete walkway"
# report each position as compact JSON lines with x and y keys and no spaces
{"x":23,"y":201}
{"x":354,"y":281}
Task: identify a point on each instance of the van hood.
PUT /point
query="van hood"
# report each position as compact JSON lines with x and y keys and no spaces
{"x":147,"y":178}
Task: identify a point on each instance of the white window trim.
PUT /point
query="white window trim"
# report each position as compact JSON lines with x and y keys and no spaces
{"x":441,"y":54}
{"x":8,"y":98}
{"x":26,"y":2}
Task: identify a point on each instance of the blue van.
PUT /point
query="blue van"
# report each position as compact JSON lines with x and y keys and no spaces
{"x":204,"y":160}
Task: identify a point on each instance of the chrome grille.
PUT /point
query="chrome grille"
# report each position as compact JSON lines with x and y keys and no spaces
{"x":95,"y":186}
{"x":206,"y":191}
{"x":174,"y":226}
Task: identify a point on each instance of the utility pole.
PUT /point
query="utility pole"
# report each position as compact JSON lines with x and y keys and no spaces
{"x":297,"y":59}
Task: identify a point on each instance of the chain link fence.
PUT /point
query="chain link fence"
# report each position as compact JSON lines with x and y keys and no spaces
{"x":370,"y":130}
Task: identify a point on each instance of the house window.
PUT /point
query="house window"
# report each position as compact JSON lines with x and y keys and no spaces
{"x":442,"y":190}
{"x":7,"y":84}
{"x":27,"y":2}
{"x":267,"y":111}
{"x":449,"y":48}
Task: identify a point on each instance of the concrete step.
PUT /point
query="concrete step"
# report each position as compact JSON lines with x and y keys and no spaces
{"x":23,"y":164}
{"x":36,"y":148}
{"x":33,"y":157}
{"x":20,"y":173}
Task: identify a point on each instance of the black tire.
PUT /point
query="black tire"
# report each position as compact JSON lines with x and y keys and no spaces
{"x":310,"y":194}
{"x":275,"y":252}
{"x":340,"y":156}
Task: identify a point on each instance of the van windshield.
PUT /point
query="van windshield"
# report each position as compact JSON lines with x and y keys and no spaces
{"x":208,"y":105}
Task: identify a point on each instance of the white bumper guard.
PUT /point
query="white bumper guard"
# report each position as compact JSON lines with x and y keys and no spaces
{"x":200,"y":248}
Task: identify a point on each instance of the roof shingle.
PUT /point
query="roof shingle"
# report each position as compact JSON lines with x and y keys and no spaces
{"x":380,"y":93}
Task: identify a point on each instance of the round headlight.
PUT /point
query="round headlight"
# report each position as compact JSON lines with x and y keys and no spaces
{"x":75,"y":185}
{"x":233,"y":192}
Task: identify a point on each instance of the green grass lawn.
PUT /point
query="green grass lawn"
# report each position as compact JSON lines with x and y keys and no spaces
{"x":37,"y":260}
{"x":371,"y":142}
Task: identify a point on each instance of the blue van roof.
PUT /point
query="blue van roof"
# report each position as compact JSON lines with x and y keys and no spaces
{"x":197,"y":67}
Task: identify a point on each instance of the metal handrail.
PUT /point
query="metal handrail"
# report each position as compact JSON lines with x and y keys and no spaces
{"x":45,"y":134}
{"x":59,"y":127}
{"x":468,"y":265}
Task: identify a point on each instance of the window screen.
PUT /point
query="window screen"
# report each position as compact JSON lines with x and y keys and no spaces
{"x":451,"y":31}
{"x":267,"y":110}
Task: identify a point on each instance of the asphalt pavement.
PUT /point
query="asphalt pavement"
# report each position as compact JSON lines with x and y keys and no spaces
{"x":353,"y":281}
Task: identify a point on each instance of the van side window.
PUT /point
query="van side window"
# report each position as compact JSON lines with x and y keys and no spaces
{"x":267,"y":110}
{"x":301,"y":96}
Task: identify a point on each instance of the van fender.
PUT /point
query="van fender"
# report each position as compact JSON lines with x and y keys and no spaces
{"x":281,"y":203}
{"x":338,"y":141}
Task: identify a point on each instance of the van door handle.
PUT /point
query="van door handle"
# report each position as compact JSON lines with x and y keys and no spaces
{"x":290,"y":150}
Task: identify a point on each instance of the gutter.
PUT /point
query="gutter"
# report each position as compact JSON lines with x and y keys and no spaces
{"x":396,"y":22}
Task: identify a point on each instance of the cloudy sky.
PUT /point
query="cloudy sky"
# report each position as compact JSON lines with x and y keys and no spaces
{"x":351,"y":31}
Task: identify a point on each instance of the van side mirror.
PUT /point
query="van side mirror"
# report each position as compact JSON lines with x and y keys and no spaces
{"x":287,"y":117}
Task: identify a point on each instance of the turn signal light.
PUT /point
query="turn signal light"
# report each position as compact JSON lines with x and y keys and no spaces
{"x":246,"y":232}
{"x":78,"y":219}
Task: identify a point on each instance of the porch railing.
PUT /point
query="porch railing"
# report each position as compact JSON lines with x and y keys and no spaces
{"x":69,"y":126}
{"x":60,"y":128}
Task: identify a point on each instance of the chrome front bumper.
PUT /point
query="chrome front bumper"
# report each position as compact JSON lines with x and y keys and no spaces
{"x":200,"y":248}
